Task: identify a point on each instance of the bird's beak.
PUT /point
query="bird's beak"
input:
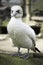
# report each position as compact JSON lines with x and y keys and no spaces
{"x":14,"y":14}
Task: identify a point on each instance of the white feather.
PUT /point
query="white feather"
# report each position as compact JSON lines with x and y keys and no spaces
{"x":22,"y":35}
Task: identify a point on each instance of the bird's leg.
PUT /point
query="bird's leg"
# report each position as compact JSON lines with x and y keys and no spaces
{"x":16,"y":54}
{"x":26,"y":55}
{"x":19,"y":51}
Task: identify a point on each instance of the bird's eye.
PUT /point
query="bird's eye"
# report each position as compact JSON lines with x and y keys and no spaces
{"x":18,"y":11}
{"x":12,"y":11}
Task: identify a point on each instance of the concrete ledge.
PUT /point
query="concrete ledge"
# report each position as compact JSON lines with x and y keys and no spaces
{"x":40,"y":18}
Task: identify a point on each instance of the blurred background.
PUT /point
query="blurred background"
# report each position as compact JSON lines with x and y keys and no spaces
{"x":32,"y":14}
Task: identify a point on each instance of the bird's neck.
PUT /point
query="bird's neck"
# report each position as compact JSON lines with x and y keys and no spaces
{"x":18,"y":19}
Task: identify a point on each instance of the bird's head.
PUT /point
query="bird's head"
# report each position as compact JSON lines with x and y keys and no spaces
{"x":16,"y":11}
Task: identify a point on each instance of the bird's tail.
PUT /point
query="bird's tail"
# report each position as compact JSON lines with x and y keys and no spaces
{"x":37,"y":49}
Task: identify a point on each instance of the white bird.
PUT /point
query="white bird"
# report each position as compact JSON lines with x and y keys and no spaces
{"x":23,"y":36}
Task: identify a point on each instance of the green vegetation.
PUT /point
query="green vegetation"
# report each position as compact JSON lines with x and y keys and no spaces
{"x":11,"y":60}
{"x":5,"y":22}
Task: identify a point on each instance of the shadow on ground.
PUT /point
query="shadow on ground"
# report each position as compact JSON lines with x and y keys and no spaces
{"x":35,"y":59}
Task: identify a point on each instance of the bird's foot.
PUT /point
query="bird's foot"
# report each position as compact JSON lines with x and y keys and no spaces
{"x":24,"y":56}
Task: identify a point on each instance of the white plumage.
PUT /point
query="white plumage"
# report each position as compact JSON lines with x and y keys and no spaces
{"x":22,"y":35}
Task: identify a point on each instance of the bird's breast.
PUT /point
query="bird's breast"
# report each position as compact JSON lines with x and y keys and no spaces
{"x":19,"y":35}
{"x":21,"y":40}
